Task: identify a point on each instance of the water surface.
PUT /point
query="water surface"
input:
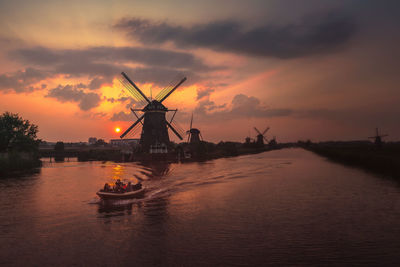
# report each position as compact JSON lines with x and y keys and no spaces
{"x":287,"y":207}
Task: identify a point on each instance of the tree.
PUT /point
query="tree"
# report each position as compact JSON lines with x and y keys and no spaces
{"x":17,"y":134}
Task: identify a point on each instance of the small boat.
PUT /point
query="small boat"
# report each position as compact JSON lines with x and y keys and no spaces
{"x":119,"y":195}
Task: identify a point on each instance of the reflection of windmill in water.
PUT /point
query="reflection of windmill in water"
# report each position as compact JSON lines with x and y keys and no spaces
{"x":194,"y":135}
{"x":154,"y":136}
{"x":378,"y":137}
{"x":261,"y":136}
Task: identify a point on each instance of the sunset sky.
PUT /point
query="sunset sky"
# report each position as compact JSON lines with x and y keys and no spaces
{"x":319,"y":70}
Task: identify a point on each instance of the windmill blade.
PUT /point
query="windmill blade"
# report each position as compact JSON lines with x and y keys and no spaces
{"x":173,"y":116}
{"x":266,"y":130}
{"x":188,"y":133}
{"x":133,"y":111}
{"x":172,"y":90}
{"x":178,"y":128}
{"x":137,"y":129}
{"x":175,"y":132}
{"x":265,"y":139}
{"x":134,"y":85}
{"x":170,"y":85}
{"x":257,"y":130}
{"x":131,"y":127}
{"x":191,"y":121}
{"x":136,"y":96}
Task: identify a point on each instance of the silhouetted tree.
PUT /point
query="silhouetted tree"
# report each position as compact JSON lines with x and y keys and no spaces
{"x":17,"y":134}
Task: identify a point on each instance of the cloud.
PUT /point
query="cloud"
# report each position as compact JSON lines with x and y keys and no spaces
{"x":22,"y":80}
{"x":145,"y":56}
{"x":204,"y":92}
{"x":102,"y":64}
{"x":242,"y":106}
{"x":122,"y":116}
{"x":314,"y":35}
{"x":97,"y":82}
{"x":70,"y":93}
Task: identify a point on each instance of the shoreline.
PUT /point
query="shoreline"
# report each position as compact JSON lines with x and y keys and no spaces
{"x":383,"y":160}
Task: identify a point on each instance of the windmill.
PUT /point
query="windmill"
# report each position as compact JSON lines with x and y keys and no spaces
{"x":193,"y":134}
{"x":154,"y":123}
{"x":260,"y":137}
{"x":378,"y":137}
{"x":272,"y":142}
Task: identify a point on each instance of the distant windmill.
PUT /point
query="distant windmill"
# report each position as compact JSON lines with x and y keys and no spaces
{"x":154,"y":130}
{"x":272,"y":142}
{"x":260,"y":137}
{"x":378,"y":137}
{"x":247,"y":140}
{"x":193,"y":134}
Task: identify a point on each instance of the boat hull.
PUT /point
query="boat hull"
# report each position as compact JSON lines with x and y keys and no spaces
{"x":127,"y":195}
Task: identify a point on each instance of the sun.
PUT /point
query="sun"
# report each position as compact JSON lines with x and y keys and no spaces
{"x":117,"y":130}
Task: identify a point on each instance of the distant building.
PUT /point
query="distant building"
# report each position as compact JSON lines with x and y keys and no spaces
{"x":92,"y":140}
{"x":45,"y":144}
{"x":124,"y":142}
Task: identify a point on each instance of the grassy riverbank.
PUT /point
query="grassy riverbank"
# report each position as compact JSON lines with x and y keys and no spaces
{"x":384,"y":160}
{"x":17,"y":162}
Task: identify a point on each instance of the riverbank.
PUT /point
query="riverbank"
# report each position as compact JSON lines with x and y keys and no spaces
{"x":14,"y":163}
{"x":200,"y":152}
{"x":383,"y":160}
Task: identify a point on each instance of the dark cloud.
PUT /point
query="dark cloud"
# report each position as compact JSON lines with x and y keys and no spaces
{"x":23,"y":80}
{"x":314,"y":35}
{"x":122,"y":116}
{"x":204,"y":92}
{"x":97,"y":82}
{"x":130,"y":101}
{"x":70,"y":93}
{"x":102,"y":64}
{"x":116,"y":55}
{"x":242,"y":106}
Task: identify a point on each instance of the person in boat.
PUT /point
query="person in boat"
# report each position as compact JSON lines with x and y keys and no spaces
{"x":107,"y":188}
{"x":118,"y":186}
{"x":129,"y":187}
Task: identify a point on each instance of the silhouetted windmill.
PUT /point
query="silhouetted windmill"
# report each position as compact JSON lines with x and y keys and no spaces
{"x":154,"y":130}
{"x":193,"y":134}
{"x":260,"y":137}
{"x":378,"y":137}
{"x":247,"y":140}
{"x":272,"y":142}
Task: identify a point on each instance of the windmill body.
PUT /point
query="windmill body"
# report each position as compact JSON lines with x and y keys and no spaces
{"x":260,"y":139}
{"x":247,"y":140}
{"x":194,"y":134}
{"x":378,"y":138}
{"x":154,"y":129}
{"x":261,"y":136}
{"x":154,"y":136}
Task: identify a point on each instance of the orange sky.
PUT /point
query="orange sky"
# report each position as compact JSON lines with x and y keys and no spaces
{"x":311,"y":71}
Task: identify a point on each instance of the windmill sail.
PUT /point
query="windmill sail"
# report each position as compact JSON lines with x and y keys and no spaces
{"x":131,"y":127}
